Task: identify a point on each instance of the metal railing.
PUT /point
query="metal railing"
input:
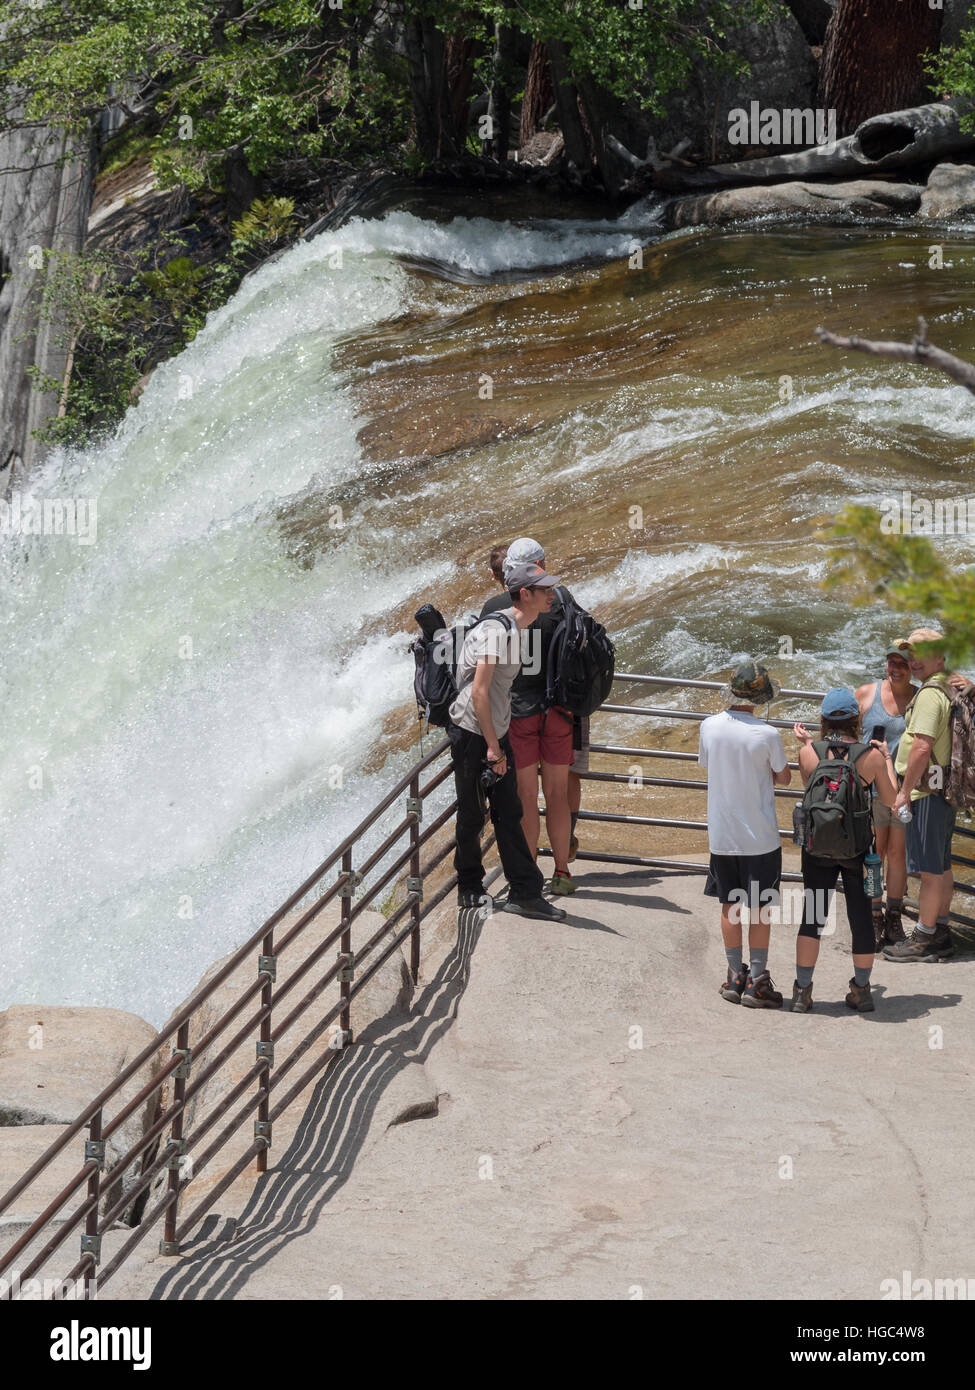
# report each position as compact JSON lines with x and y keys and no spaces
{"x":104,"y":1190}
{"x":108,"y":1199}
{"x":689,"y":784}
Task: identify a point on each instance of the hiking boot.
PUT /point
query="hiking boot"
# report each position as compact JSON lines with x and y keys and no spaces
{"x":919,"y":946}
{"x":894,"y":932}
{"x":860,"y":998}
{"x":573,"y":848}
{"x":535,"y":907}
{"x":802,"y":1000}
{"x":561,"y":884}
{"x":759,"y":994}
{"x":879,"y":928}
{"x":734,"y":985}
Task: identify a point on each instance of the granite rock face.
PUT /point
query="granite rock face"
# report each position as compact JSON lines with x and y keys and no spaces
{"x":53,"y":1062}
{"x":42,"y":207}
{"x":782,"y":76}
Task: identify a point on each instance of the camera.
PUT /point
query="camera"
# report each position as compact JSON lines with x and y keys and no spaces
{"x":489,"y":778}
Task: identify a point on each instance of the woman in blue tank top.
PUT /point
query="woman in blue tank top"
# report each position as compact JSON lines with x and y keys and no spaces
{"x":882,"y":707}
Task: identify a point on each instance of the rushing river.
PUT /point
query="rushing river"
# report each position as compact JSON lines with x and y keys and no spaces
{"x":344,"y":441}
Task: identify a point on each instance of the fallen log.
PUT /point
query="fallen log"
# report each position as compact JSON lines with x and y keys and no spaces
{"x":895,"y":140}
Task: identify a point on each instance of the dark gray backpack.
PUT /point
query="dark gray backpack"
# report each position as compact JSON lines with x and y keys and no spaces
{"x":836,"y":803}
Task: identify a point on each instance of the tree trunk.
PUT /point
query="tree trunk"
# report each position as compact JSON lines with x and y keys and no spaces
{"x":813,"y":17}
{"x":539,"y":92}
{"x":427,"y":57}
{"x":460,"y":75}
{"x":241,"y":185}
{"x":567,"y":110}
{"x":499,"y":106}
{"x":872,"y":58}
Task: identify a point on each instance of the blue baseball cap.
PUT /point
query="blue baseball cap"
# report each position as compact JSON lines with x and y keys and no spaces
{"x":839,"y":702}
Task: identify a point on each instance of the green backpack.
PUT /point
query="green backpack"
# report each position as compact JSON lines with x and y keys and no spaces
{"x":836,"y":804}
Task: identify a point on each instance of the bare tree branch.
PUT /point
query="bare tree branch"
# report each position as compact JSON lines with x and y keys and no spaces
{"x":918,"y":350}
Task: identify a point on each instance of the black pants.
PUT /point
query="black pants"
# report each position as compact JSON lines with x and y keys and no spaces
{"x":469,"y":752}
{"x":818,"y":880}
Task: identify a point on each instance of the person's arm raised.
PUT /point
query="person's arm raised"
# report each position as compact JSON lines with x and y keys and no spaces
{"x":877,"y":767}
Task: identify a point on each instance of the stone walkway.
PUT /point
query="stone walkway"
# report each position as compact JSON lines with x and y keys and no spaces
{"x":574,"y":1112}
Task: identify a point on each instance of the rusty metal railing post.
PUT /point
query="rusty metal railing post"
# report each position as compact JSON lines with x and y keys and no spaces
{"x":267,"y":967}
{"x":414,"y":883}
{"x":176,"y":1144}
{"x":91,"y":1241}
{"x":346,"y":958}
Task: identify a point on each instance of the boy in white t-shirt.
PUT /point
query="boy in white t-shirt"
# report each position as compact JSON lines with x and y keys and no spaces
{"x":745,"y":759}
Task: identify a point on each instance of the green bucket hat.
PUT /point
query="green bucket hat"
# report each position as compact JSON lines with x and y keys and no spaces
{"x":751,"y":684}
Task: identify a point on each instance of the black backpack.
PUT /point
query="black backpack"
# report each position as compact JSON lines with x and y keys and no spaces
{"x":581,"y":661}
{"x":836,"y":804}
{"x":436,"y":654}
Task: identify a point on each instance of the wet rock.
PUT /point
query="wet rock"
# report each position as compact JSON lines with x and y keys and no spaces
{"x":950,"y":193}
{"x":837,"y":201}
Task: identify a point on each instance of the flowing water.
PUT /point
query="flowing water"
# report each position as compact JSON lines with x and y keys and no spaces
{"x":202,"y":702}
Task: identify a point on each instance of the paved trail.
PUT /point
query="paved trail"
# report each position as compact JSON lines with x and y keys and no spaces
{"x":539,"y":1151}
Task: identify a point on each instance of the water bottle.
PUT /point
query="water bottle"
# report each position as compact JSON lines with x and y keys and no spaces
{"x":905,"y":815}
{"x":873,"y":879}
{"x":799,"y":819}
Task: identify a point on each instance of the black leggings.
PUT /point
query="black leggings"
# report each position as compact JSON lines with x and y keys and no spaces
{"x":818,"y":881}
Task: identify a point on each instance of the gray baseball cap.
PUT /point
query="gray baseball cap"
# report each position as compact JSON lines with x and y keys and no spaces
{"x":524,"y":551}
{"x":523,"y":575}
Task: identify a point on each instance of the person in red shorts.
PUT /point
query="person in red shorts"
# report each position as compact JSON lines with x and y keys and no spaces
{"x":539,"y":737}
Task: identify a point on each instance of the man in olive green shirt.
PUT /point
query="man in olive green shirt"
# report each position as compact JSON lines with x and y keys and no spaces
{"x":922,"y":756}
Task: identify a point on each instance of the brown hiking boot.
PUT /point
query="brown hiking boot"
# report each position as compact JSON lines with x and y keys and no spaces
{"x":921,"y":946}
{"x":734,"y":985}
{"x":802,"y":1000}
{"x":879,"y":928}
{"x":860,"y":998}
{"x":894,"y":932}
{"x":759,"y":994}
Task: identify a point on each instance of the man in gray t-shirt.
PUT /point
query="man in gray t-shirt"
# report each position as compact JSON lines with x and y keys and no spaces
{"x":498,"y":642}
{"x":481,"y":750}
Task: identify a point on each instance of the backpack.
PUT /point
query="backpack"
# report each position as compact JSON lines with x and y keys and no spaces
{"x":959,"y":776}
{"x":436,"y":654}
{"x":836,"y":804}
{"x":581,"y":661}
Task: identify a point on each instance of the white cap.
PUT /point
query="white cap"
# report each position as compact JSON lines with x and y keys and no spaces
{"x":523,"y":551}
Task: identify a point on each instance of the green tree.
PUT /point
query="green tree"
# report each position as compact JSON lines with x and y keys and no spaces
{"x":872,"y":558}
{"x":908,"y":573}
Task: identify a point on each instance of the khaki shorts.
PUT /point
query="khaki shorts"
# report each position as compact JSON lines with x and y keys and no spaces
{"x":885,"y":817}
{"x":580,"y":743}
